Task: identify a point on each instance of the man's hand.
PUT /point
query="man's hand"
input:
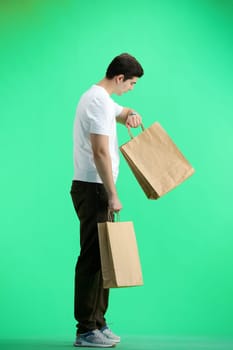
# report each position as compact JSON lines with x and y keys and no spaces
{"x":114,"y":203}
{"x":129,"y":118}
{"x":133,"y":120}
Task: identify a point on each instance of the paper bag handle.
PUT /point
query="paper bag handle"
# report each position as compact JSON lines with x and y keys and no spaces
{"x":111,"y":216}
{"x":130,"y":133}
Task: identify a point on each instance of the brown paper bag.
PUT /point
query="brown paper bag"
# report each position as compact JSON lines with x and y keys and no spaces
{"x":156,"y":162}
{"x":119,"y":255}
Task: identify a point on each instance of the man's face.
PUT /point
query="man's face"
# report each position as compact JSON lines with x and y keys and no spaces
{"x":124,"y":86}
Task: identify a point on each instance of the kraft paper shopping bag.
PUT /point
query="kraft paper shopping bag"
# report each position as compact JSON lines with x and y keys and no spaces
{"x":155,"y":160}
{"x":120,"y":260}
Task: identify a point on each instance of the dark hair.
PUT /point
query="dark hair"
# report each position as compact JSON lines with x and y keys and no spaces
{"x":124,"y":64}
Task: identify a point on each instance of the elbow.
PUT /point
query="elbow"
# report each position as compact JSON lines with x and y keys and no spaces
{"x":99,"y":154}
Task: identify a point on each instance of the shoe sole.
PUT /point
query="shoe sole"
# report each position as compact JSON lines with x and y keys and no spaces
{"x":114,"y":340}
{"x":90,"y":345}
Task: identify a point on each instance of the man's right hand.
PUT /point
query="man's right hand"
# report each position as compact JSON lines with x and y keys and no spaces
{"x":114,"y":204}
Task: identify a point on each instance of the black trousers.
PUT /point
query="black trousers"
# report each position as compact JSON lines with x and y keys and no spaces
{"x":90,"y":298}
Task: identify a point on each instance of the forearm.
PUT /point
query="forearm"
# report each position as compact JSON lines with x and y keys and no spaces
{"x":124,"y":115}
{"x":104,"y":167}
{"x":103,"y":163}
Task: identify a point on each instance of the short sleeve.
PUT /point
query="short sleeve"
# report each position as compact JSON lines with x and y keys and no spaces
{"x":118,"y":109}
{"x":98,"y":115}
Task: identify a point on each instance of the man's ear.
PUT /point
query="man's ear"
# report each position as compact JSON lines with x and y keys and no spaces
{"x":119,"y":78}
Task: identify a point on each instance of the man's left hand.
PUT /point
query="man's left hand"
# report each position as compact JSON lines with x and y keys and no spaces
{"x":133,"y":120}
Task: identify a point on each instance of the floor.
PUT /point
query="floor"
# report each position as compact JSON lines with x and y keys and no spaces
{"x":131,"y":342}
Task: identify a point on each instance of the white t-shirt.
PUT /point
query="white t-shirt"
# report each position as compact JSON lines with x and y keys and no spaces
{"x":95,"y":114}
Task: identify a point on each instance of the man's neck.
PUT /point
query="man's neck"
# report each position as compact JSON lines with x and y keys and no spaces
{"x":107,"y":84}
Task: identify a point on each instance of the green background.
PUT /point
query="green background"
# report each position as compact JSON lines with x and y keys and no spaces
{"x":52,"y":51}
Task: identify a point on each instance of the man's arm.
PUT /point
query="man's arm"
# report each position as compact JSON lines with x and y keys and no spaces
{"x":102,"y":159}
{"x":129,"y":118}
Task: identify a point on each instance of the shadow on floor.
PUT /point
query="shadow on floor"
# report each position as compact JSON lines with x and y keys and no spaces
{"x":128,"y":343}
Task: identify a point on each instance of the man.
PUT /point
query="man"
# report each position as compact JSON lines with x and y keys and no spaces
{"x":93,"y":191}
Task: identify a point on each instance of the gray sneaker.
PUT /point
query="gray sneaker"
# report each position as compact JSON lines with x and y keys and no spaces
{"x":106,"y":331}
{"x":93,"y":339}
